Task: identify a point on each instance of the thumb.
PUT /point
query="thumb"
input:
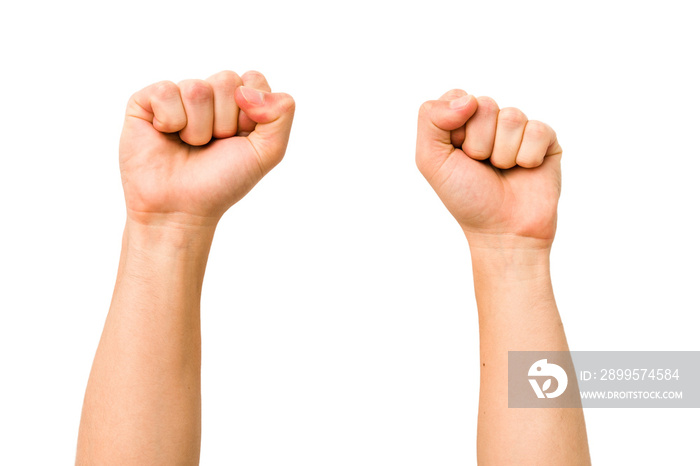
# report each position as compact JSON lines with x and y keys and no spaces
{"x":436,"y":119}
{"x":273,"y":113}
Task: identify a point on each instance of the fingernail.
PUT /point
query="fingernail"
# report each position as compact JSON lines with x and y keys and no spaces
{"x":253,"y":96}
{"x":460,"y":102}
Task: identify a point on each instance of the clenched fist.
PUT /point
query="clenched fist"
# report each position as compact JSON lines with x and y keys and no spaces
{"x":497,"y":172}
{"x":189,"y":151}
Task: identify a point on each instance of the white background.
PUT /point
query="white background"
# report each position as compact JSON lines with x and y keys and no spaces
{"x":339,"y":322}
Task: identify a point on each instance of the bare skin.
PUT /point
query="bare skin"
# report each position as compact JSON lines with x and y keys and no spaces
{"x":191,"y":150}
{"x":499,"y":175}
{"x":188,"y":152}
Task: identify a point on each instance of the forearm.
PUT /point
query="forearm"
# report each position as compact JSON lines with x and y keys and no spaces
{"x":143,"y":400}
{"x":517,"y":312}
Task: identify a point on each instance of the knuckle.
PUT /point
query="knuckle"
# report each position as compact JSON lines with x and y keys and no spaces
{"x":227,"y":78}
{"x":528,"y":161}
{"x":253,"y":75}
{"x":426,"y":107}
{"x":179,"y":120}
{"x":225,"y":132}
{"x":487,"y":104}
{"x":502,"y":163}
{"x":537,"y":129}
{"x":477,"y":153}
{"x":454,"y":93}
{"x":288,"y":102}
{"x":166,"y":90}
{"x":195,"y":140}
{"x":169,"y":125}
{"x":511,"y":117}
{"x":196,"y":90}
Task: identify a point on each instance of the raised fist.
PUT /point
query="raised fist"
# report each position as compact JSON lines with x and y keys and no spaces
{"x":189,"y":151}
{"x":497,"y":172}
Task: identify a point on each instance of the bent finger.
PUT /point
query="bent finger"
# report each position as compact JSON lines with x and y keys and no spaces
{"x":480,"y":130}
{"x":436,"y":121}
{"x":509,"y":134}
{"x":226,"y":109}
{"x":198,"y":100}
{"x":159,"y":104}
{"x":537,"y":139}
{"x":256,"y":80}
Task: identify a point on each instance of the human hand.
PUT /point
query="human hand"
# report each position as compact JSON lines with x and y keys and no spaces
{"x":495,"y":171}
{"x":191,"y":150}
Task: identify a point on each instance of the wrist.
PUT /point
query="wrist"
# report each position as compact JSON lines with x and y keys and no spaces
{"x":174,"y":219}
{"x":509,"y":258}
{"x":168,"y":240}
{"x":513,"y":281}
{"x":499,"y":241}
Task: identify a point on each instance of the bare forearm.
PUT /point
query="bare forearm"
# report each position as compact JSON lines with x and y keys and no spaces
{"x":517,"y":312}
{"x":143,"y":401}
